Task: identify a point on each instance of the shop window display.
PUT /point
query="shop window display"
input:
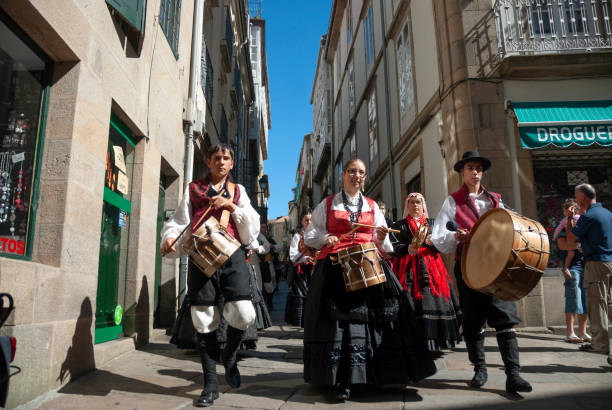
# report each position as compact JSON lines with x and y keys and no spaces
{"x":22,"y":74}
{"x":556,"y":174}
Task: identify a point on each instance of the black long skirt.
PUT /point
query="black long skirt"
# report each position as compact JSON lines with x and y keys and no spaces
{"x":364,"y":336}
{"x":298,"y":289}
{"x":440,"y":318}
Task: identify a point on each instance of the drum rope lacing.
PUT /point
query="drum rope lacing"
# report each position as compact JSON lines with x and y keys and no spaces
{"x":347,"y":265}
{"x":528,"y":248}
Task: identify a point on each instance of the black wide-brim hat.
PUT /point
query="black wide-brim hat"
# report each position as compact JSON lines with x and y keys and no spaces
{"x":472,"y":156}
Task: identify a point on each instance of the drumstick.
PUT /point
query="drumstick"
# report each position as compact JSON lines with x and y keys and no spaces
{"x":197,"y":225}
{"x":344,"y":235}
{"x":374,"y":227}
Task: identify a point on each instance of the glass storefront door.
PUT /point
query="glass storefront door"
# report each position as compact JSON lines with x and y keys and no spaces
{"x":116,"y":210}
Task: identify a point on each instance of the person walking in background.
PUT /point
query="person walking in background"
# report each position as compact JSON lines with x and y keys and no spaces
{"x":261,"y":259}
{"x":383,"y":208}
{"x":575,"y":300}
{"x":594,"y":232}
{"x":569,"y":211}
{"x":303,"y":260}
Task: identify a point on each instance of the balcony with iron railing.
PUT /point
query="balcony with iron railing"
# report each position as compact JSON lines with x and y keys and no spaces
{"x":539,"y":27}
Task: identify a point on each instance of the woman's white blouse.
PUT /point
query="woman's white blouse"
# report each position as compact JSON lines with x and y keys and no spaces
{"x":245,"y":217}
{"x":316,"y":232}
{"x":294,"y":250}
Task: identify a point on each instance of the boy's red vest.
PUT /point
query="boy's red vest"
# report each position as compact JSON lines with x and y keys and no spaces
{"x":200,"y":203}
{"x":467,"y":213}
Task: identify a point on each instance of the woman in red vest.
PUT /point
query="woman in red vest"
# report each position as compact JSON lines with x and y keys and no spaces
{"x":463,"y":208}
{"x":423,"y":276}
{"x":364,"y":336}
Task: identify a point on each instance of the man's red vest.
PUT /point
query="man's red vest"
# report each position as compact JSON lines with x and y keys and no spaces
{"x":467,"y":213}
{"x":200,"y":203}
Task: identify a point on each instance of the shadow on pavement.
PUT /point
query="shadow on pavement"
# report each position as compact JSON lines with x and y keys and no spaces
{"x":586,"y":400}
{"x":561,"y":368}
{"x":442,"y":384}
{"x":102,"y":382}
{"x":530,"y":349}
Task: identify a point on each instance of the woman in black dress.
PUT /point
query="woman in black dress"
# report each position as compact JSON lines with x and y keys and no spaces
{"x":299,"y":275}
{"x":366,"y":336}
{"x":422,"y":274}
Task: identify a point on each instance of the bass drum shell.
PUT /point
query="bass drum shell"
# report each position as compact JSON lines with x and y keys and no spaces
{"x":506,"y":254}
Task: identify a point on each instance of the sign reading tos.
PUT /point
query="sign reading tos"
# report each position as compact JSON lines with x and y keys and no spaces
{"x":12,"y":246}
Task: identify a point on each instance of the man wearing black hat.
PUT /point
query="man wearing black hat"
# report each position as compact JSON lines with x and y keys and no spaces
{"x":463,"y":208}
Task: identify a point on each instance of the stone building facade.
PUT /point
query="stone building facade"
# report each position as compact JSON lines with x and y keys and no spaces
{"x":414,"y":84}
{"x":100,"y":100}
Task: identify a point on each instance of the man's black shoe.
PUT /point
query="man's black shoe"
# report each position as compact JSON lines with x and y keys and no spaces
{"x":610,"y":359}
{"x":207,"y":398}
{"x":516,"y":384}
{"x":232,"y":375}
{"x":480,"y":377}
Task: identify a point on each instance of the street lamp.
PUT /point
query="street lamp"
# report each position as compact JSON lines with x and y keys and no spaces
{"x":263,"y":184}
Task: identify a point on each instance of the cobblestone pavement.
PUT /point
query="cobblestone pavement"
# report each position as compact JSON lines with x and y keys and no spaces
{"x":159,"y":376}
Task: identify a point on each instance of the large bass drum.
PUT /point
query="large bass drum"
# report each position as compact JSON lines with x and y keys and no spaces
{"x":506,"y":255}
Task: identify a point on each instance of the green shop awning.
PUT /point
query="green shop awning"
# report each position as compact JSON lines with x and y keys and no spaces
{"x":562,"y":123}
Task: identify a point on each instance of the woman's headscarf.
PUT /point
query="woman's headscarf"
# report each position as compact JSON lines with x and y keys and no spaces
{"x":415,"y":195}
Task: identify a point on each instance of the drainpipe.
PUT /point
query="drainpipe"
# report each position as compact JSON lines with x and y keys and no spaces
{"x":196,"y":41}
{"x":514,"y":169}
{"x":330,"y":111}
{"x":388,"y":110}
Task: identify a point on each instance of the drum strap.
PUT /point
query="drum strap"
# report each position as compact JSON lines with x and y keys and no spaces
{"x":225,"y":215}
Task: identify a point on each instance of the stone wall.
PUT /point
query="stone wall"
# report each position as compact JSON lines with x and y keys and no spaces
{"x":95,"y":72}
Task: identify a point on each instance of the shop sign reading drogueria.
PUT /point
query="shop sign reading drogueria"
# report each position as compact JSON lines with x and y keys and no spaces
{"x":563,"y":123}
{"x":562,"y":136}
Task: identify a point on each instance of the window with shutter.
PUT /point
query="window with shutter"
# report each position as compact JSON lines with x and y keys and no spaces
{"x":132,"y":15}
{"x":169,"y":20}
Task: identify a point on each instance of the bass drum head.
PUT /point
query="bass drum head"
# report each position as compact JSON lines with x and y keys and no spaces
{"x":489,"y":248}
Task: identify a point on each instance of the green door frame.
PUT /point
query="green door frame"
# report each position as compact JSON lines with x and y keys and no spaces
{"x":105,"y":334}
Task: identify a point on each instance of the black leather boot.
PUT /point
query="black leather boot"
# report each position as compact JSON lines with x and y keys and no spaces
{"x":476,"y":354}
{"x":230,"y":361}
{"x":208,"y":348}
{"x":508,"y":347}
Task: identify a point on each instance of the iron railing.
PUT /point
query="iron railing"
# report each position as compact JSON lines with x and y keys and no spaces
{"x":552,"y":26}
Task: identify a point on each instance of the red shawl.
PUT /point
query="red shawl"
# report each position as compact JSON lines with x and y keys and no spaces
{"x":433,"y":264}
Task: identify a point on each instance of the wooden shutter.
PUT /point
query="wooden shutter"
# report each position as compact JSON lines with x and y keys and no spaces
{"x":132,"y":11}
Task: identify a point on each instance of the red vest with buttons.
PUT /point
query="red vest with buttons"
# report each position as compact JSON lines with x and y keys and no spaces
{"x":200,"y":203}
{"x":338,"y":223}
{"x":467,"y":213}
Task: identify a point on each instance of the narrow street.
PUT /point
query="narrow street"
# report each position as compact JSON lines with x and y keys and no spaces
{"x":161,"y":377}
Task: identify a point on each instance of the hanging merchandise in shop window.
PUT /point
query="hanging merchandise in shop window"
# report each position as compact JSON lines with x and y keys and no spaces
{"x":116,"y":171}
{"x":22,"y":74}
